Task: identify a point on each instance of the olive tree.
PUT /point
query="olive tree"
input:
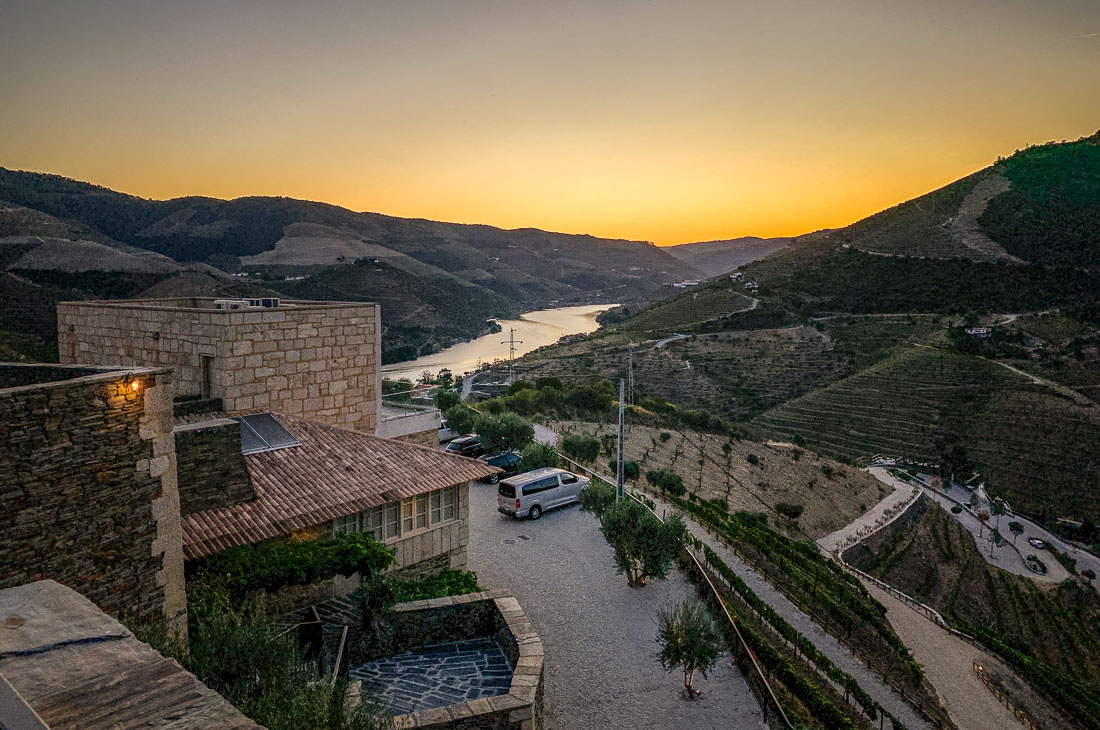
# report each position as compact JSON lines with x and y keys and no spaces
{"x":689,"y":639}
{"x":536,"y":455}
{"x":504,"y":432}
{"x":644,"y":547}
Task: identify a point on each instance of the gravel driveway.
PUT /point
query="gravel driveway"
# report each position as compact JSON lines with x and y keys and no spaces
{"x":598,"y":634}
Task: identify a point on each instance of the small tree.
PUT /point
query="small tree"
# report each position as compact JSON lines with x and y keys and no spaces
{"x":791,"y":511}
{"x":504,"y":433}
{"x":460,"y":419}
{"x":631,"y":470}
{"x":689,"y":639}
{"x":536,"y":455}
{"x":1016,"y":529}
{"x":666,"y":480}
{"x":983,"y":517}
{"x":445,"y":399}
{"x":1088,"y":574}
{"x":644,"y":546}
{"x":581,"y":448}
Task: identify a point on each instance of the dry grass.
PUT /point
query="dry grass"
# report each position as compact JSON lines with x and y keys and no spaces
{"x":700,"y":460}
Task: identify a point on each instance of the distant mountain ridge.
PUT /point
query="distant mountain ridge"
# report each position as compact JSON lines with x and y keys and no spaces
{"x":438,"y":282}
{"x":715,"y":258}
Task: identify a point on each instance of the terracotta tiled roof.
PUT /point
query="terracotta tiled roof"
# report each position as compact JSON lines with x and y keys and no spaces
{"x":335,"y":472}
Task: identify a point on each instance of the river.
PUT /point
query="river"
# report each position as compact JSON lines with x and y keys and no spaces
{"x":534,"y":329}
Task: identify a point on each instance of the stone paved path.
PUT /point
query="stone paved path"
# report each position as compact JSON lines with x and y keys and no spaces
{"x":869,"y":680}
{"x":598,"y":633}
{"x":438,"y":675}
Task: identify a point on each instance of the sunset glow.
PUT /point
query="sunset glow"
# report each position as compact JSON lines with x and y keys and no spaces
{"x":660,"y":121}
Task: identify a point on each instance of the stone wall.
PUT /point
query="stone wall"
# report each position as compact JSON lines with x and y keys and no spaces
{"x":494,"y":614}
{"x":210,"y":467}
{"x":89,"y":493}
{"x":429,"y":438}
{"x":315,"y":360}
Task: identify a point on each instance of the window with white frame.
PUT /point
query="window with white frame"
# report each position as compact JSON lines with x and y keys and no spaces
{"x":421,"y":511}
{"x":393,"y":521}
{"x":346,"y":525}
{"x":397,"y":519}
{"x":450,"y":503}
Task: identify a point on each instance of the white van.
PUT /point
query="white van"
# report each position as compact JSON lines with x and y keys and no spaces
{"x":532,"y":493}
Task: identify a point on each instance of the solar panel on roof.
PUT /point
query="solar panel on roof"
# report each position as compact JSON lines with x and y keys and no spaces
{"x":250,"y":440}
{"x":261,"y":432}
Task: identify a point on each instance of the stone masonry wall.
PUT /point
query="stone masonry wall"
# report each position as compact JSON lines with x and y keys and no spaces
{"x":211,"y":469}
{"x":314,"y":360}
{"x":89,"y":493}
{"x":429,"y":438}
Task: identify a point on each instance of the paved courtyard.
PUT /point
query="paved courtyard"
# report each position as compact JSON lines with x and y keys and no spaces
{"x":599,"y":634}
{"x":438,"y":675}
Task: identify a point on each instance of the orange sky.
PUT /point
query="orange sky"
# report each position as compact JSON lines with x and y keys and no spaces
{"x":661,"y":121}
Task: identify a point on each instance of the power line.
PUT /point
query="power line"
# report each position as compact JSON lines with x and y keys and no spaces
{"x":511,"y":342}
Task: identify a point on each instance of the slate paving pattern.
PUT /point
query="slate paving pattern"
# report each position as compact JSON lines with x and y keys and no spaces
{"x":438,"y":675}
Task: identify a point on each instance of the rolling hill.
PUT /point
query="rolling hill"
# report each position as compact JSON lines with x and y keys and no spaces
{"x":715,"y":258}
{"x":439,"y":282}
{"x":827,"y":350}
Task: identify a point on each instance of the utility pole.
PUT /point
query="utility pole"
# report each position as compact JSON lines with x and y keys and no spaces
{"x":622,"y":438}
{"x":511,"y":342}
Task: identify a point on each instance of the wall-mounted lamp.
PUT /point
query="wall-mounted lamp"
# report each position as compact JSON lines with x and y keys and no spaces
{"x":129,"y":384}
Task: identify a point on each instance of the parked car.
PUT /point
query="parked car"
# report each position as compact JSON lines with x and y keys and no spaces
{"x":506,"y":460}
{"x":445,"y":432}
{"x":532,"y":493}
{"x":469,"y":445}
{"x":1036,"y":543}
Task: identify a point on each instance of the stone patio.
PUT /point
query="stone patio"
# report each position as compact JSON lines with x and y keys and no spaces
{"x":438,"y":675}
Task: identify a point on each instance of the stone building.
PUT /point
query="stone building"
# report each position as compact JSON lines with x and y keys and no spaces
{"x":306,"y":480}
{"x":317,"y":360}
{"x":88,"y":486}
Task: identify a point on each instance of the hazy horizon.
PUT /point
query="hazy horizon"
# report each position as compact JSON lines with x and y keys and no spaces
{"x":671,"y":123}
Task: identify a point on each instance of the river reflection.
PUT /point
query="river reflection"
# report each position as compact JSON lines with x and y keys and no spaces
{"x":534,"y":329}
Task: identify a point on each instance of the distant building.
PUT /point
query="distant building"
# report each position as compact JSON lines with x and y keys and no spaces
{"x":737,"y":275}
{"x":751,"y":286}
{"x":980,"y":332}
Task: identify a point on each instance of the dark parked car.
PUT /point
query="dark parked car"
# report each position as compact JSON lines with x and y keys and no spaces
{"x":506,"y":460}
{"x":469,"y":445}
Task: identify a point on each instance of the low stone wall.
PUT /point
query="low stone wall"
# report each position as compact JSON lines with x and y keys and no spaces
{"x":495,"y":614}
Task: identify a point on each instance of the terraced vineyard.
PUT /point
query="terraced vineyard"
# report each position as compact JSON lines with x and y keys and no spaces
{"x":1036,"y":448}
{"x":709,"y":302}
{"x":927,"y":554}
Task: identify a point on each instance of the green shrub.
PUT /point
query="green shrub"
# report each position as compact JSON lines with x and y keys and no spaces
{"x":460,"y":419}
{"x":581,"y":448}
{"x":274,"y":564}
{"x":504,"y":432}
{"x":631,"y":470}
{"x":956,"y":509}
{"x":720,"y":503}
{"x":753,"y":459}
{"x":536,"y":455}
{"x":665,"y":435}
{"x":666,"y":480}
{"x":548,"y":384}
{"x":437,"y":585}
